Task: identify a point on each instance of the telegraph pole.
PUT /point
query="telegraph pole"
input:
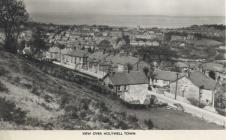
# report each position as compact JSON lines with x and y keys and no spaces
{"x":176,"y":86}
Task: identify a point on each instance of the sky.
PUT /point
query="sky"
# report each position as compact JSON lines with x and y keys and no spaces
{"x":129,"y":7}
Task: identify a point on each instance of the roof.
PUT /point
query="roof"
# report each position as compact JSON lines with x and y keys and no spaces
{"x":167,"y":75}
{"x":54,"y":50}
{"x":199,"y":79}
{"x":181,"y":65}
{"x":125,"y":78}
{"x":213,"y":67}
{"x":122,"y":59}
{"x":75,"y":53}
{"x":97,"y":56}
{"x":206,"y":42}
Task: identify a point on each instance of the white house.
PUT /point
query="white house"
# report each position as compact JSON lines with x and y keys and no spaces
{"x":76,"y":59}
{"x":218,"y":70}
{"x":197,"y":86}
{"x":53,"y":54}
{"x":132,"y":87}
{"x":164,"y":78}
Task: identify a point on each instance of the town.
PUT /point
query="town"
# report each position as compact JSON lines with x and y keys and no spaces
{"x":180,"y":68}
{"x":116,"y":56}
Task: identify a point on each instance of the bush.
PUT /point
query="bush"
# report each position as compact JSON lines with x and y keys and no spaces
{"x":149,"y":124}
{"x":122,"y":125}
{"x":132,"y":118}
{"x":85,"y":104}
{"x":9,"y":112}
{"x":35,"y":91}
{"x":195,"y":102}
{"x":103,"y":107}
{"x":103,"y":118}
{"x":221,"y":111}
{"x":64,"y":100}
{"x":3,"y":88}
{"x":71,"y":111}
{"x":3,"y":71}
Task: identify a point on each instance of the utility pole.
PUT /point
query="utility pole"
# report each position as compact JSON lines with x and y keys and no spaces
{"x":176,"y":86}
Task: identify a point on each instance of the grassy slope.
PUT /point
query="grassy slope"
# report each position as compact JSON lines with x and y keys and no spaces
{"x":52,"y":103}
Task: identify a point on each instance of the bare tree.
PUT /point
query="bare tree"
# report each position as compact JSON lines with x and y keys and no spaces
{"x":13,"y":14}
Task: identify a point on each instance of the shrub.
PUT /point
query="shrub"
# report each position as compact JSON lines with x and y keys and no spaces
{"x":17,"y":79}
{"x":48,"y":98}
{"x":9,"y":112}
{"x":122,"y":125}
{"x":3,"y":71}
{"x":71,"y":111}
{"x":65,"y":99}
{"x":33,"y":122}
{"x":3,"y":88}
{"x":103,"y":118}
{"x":132,"y":118}
{"x":195,"y":102}
{"x":35,"y":91}
{"x":85,"y":103}
{"x":149,"y":124}
{"x":103,"y":107}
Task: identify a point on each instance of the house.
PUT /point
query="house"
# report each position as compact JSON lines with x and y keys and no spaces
{"x":164,"y":78}
{"x":97,"y":64}
{"x":76,"y":59}
{"x":183,"y":67}
{"x":134,"y":43}
{"x":178,"y":38}
{"x":2,"y":37}
{"x":214,"y":70}
{"x":195,"y":85}
{"x":152,"y":43}
{"x":132,"y":87}
{"x":53,"y":54}
{"x":120,"y":61}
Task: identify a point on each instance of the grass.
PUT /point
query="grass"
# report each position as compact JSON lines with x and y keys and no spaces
{"x":3,"y":88}
{"x":9,"y":112}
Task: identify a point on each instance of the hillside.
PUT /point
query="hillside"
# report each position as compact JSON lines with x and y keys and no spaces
{"x":31,"y":99}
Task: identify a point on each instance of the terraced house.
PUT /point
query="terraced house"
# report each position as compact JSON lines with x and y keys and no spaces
{"x":76,"y":59}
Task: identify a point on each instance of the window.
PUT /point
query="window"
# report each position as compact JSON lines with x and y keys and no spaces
{"x":110,"y":86}
{"x":125,"y":88}
{"x":118,"y":88}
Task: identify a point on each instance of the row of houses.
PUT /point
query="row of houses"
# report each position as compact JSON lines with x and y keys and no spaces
{"x":99,"y":63}
{"x":132,"y":85}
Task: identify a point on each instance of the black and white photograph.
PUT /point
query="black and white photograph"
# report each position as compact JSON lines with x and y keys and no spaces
{"x":112,"y":65}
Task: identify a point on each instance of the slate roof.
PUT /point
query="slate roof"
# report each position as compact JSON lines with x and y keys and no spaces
{"x":54,"y":50}
{"x":213,"y":67}
{"x":181,"y":65}
{"x":121,"y":59}
{"x":207,"y":42}
{"x":199,"y":79}
{"x":75,"y":53}
{"x":97,"y":57}
{"x":131,"y":78}
{"x":167,"y":75}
